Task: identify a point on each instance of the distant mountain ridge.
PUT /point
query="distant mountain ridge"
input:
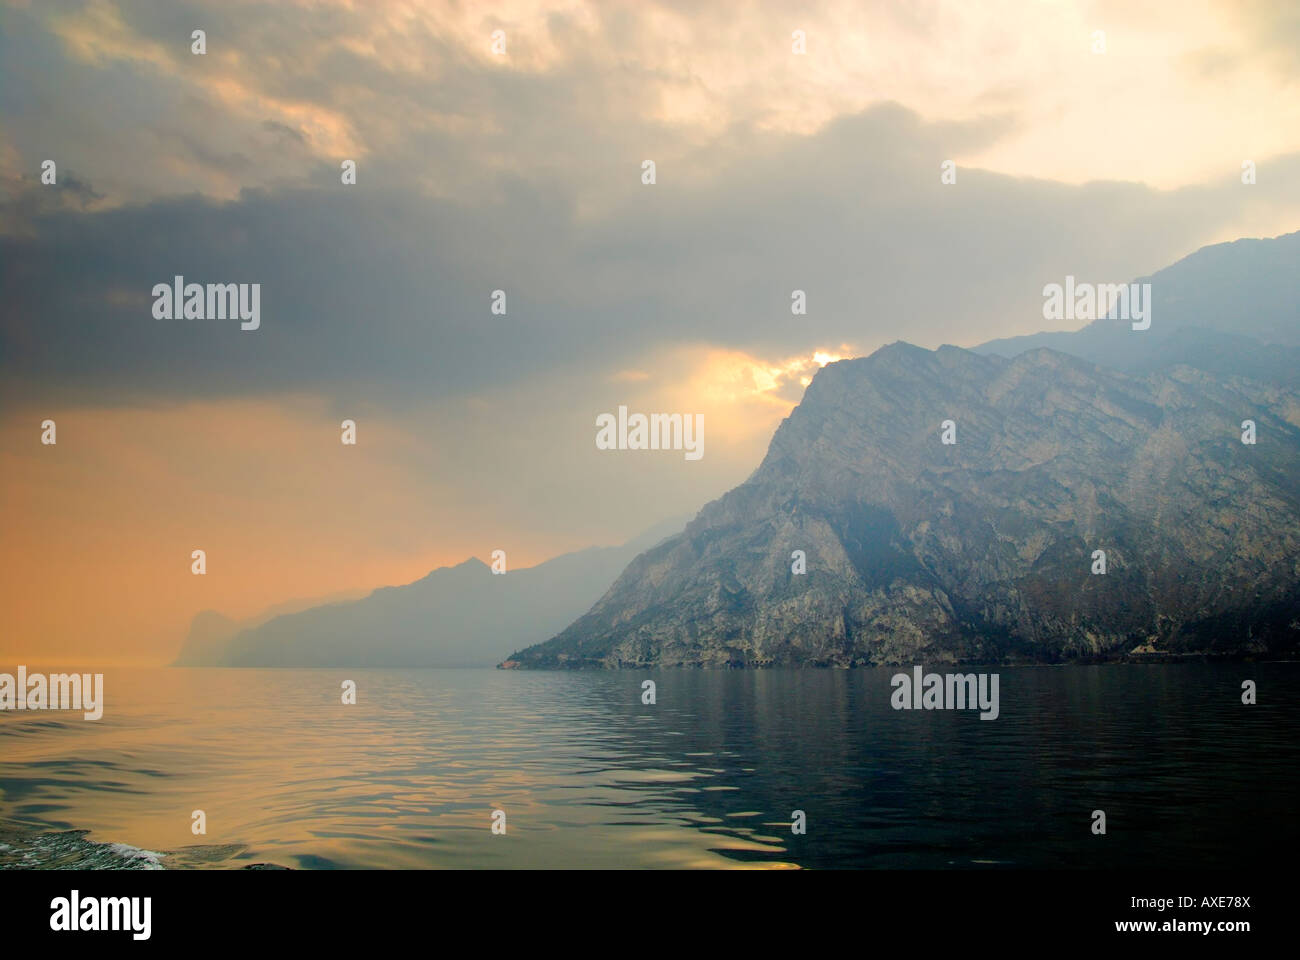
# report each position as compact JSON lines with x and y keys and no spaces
{"x":211,"y":631}
{"x":1232,"y":309}
{"x":461,"y":616}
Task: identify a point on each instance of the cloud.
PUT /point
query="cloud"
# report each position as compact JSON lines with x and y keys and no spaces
{"x":1270,"y":35}
{"x":403,"y":83}
{"x":369,"y":291}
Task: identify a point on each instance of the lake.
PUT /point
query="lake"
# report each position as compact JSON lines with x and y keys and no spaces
{"x":708,"y":776}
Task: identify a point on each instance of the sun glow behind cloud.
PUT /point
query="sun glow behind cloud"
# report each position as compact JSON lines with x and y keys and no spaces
{"x":729,"y":377}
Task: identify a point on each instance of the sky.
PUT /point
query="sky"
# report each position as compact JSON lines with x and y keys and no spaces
{"x":1105,"y":155}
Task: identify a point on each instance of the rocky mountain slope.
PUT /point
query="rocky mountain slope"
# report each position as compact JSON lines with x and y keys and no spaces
{"x":982,"y":550}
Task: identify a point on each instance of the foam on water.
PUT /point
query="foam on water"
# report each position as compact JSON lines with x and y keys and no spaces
{"x":70,"y":850}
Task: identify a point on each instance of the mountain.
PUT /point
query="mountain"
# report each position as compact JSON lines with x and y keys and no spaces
{"x":205,"y":644}
{"x":982,"y":550}
{"x":1229,"y":309}
{"x":210,"y":631}
{"x":453,"y":617}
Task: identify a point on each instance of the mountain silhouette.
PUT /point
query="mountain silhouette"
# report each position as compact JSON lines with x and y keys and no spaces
{"x":461,"y":616}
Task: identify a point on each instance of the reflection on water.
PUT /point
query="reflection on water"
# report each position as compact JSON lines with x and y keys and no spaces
{"x":590,"y":777}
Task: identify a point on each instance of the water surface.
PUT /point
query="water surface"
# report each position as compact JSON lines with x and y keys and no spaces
{"x":709,"y":776}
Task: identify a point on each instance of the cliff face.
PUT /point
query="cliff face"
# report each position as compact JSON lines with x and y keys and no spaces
{"x":980,"y":550}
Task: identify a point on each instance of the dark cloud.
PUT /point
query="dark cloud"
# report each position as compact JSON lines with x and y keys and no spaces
{"x":379,"y":290}
{"x":284,"y":130}
{"x":476,"y":177}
